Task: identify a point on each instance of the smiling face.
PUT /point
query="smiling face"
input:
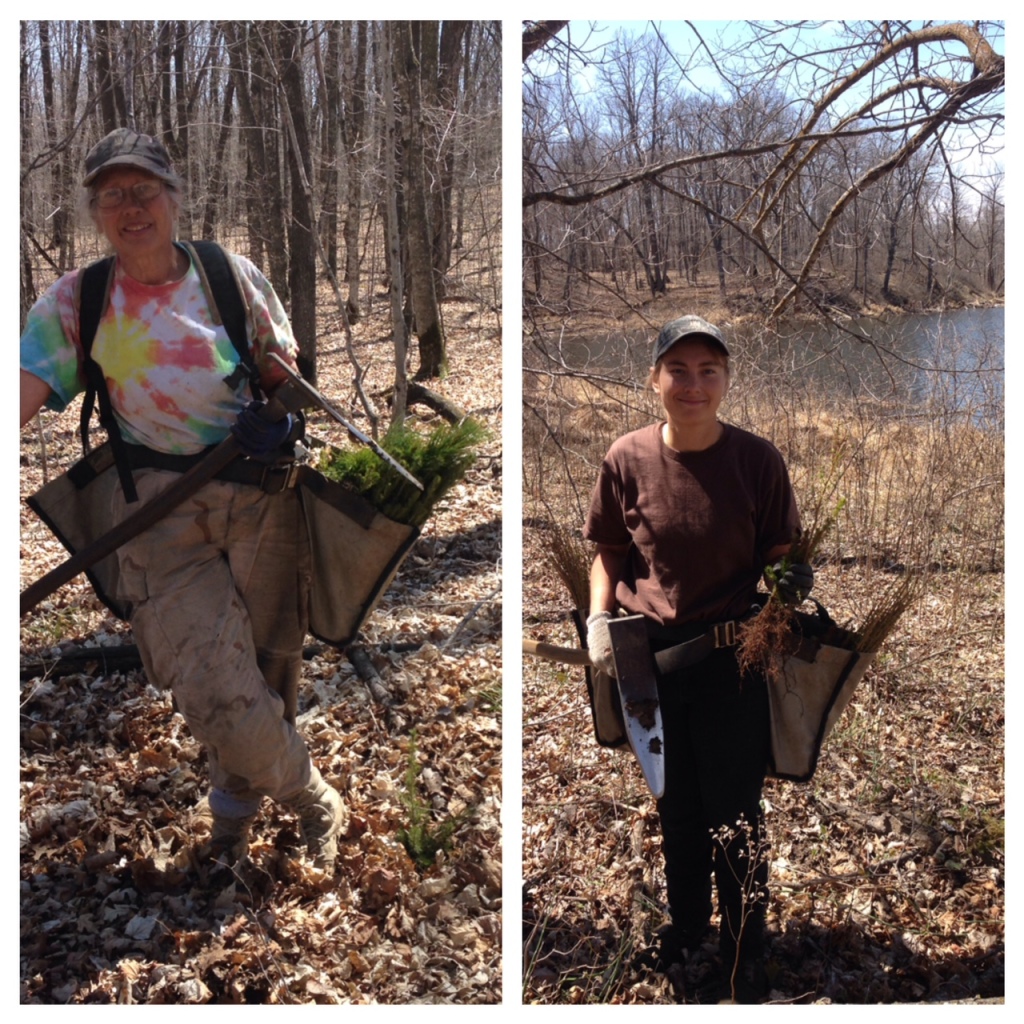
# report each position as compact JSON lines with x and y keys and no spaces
{"x":135,"y":230}
{"x":691,"y":380}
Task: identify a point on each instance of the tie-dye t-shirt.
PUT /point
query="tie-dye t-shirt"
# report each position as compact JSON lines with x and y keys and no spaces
{"x":164,"y":359}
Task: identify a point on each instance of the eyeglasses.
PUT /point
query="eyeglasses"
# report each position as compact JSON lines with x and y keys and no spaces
{"x":142,"y":192}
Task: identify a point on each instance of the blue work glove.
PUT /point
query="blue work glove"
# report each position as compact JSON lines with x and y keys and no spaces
{"x":258,"y":438}
{"x":793,"y":580}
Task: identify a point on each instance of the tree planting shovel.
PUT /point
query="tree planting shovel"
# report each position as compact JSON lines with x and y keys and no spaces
{"x":638,"y":691}
{"x":285,"y":400}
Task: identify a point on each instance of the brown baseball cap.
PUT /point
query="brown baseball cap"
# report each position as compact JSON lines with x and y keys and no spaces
{"x":684,"y":327}
{"x":126,"y":148}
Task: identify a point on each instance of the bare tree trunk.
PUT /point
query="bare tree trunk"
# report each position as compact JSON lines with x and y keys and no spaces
{"x":446,"y":98}
{"x":715,"y":232}
{"x":426,"y":308}
{"x":219,"y":164}
{"x":391,"y":187}
{"x":66,"y":165}
{"x":301,"y":241}
{"x":50,"y":120}
{"x":272,"y":181}
{"x":353,"y":131}
{"x":28,"y":287}
{"x":255,"y":158}
{"x":166,"y":77}
{"x":265,"y":218}
{"x":181,"y":135}
{"x":329,"y":162}
{"x":108,"y":83}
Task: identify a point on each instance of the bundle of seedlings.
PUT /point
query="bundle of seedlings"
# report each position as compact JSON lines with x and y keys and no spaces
{"x":766,"y":640}
{"x":777,"y":631}
{"x":811,"y":665}
{"x":571,"y":559}
{"x":439,"y":460}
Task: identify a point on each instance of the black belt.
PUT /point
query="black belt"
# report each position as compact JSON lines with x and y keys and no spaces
{"x":714,"y":636}
{"x":672,"y":659}
{"x":271,"y":478}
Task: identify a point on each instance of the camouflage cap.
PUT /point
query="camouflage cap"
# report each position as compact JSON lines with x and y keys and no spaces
{"x":684,"y":327}
{"x":126,"y":148}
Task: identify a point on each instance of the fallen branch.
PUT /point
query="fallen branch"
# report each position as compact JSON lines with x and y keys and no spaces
{"x":115,"y":658}
{"x":418,"y":394}
{"x":365,"y":670}
{"x":119,"y":658}
{"x":469,"y":615}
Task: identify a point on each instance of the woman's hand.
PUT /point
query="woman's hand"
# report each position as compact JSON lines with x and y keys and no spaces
{"x":259,"y":438}
{"x":792,"y":580}
{"x":599,"y":643}
{"x":605,"y":573}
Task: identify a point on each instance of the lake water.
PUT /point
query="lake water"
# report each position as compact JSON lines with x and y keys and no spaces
{"x":955,"y":358}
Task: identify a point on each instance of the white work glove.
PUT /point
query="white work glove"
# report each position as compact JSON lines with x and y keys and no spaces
{"x":599,"y":643}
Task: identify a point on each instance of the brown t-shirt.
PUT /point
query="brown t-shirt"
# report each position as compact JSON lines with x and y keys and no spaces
{"x":700,"y":523}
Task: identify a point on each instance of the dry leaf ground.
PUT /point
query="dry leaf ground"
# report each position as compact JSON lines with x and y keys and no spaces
{"x":887,"y":868}
{"x":115,"y":907}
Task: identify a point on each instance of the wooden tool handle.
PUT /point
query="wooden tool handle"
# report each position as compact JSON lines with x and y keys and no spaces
{"x":285,"y":400}
{"x":566,"y":655}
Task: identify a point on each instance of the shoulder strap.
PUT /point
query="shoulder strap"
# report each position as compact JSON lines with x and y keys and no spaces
{"x":224,"y":294}
{"x":92,"y":293}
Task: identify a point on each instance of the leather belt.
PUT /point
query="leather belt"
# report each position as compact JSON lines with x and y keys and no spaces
{"x":716,"y":635}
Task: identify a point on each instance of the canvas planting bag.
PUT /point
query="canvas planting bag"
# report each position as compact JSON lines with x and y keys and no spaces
{"x":810,"y":692}
{"x":77,"y":509}
{"x":356,"y":552}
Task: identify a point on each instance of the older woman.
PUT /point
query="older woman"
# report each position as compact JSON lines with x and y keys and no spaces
{"x":218,"y":588}
{"x":686,"y":514}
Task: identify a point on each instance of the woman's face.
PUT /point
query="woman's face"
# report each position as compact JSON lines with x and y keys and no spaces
{"x":691,"y":379}
{"x":135,"y":229}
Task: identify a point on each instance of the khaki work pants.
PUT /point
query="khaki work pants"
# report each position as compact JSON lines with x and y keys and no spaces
{"x":220,"y":592}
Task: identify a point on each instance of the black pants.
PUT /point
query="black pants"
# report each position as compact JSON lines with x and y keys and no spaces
{"x":716,"y":752}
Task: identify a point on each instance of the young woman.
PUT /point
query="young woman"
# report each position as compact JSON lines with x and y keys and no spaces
{"x":686,"y":515}
{"x":218,"y":588}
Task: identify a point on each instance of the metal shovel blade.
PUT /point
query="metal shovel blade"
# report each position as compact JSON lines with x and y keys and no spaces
{"x":638,"y":690}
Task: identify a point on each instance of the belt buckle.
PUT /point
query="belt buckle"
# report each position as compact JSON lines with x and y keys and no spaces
{"x":725,"y":634}
{"x":276,"y":479}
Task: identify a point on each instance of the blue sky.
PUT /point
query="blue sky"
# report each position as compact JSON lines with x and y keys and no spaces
{"x":682,"y":40}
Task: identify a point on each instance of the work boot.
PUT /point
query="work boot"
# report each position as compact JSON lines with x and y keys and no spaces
{"x":229,"y":838}
{"x":676,"y":943}
{"x":323,"y":818}
{"x":748,"y":986}
{"x":672,"y":945}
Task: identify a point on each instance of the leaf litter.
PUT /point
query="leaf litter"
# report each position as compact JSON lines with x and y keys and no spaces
{"x":888,"y":869}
